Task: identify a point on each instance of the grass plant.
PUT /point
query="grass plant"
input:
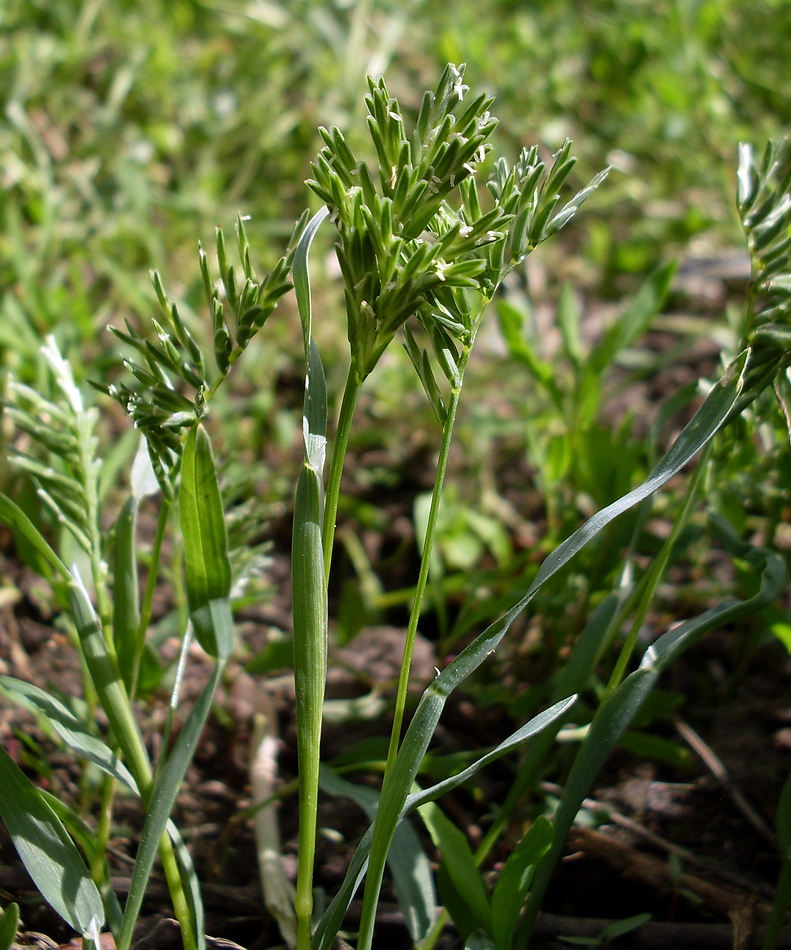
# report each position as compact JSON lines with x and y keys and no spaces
{"x":427,"y":232}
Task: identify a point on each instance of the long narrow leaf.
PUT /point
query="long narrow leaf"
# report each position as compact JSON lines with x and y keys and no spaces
{"x":189,"y":876}
{"x":85,"y":839}
{"x":698,"y":432}
{"x":332,"y":918}
{"x":208,"y":570}
{"x":618,"y":710}
{"x":515,"y":878}
{"x":126,"y":595}
{"x":90,"y":747}
{"x":407,"y":860}
{"x":459,"y":864}
{"x":69,"y":728}
{"x":315,"y":403}
{"x":46,"y":850}
{"x":13,"y":517}
{"x":163,"y":795}
{"x":531,"y":729}
{"x":301,"y":272}
{"x":107,"y":681}
{"x":423,"y":724}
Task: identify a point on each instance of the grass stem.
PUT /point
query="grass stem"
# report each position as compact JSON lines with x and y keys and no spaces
{"x":425,"y":565}
{"x":350,"y":396}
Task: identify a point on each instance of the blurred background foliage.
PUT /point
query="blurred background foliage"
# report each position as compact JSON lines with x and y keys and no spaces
{"x":130,"y":129}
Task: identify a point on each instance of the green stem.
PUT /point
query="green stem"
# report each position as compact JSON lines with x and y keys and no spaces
{"x":425,"y":564}
{"x":657,"y":573}
{"x":350,"y":396}
{"x":99,"y":857}
{"x":151,"y":583}
{"x":141,"y":770}
{"x":376,"y":870}
{"x":314,"y":533}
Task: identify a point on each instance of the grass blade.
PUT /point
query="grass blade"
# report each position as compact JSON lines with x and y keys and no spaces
{"x":706,"y":422}
{"x":463,"y":874}
{"x":69,"y":728}
{"x":9,"y":924}
{"x":107,"y":681}
{"x":205,"y":547}
{"x":395,"y":803}
{"x":332,"y":919}
{"x":532,"y":728}
{"x":422,"y":724}
{"x":514,"y":882}
{"x":192,"y":892}
{"x":48,"y":853}
{"x":163,"y":795}
{"x":13,"y":517}
{"x":126,"y":595}
{"x":301,"y":273}
{"x":407,"y":860}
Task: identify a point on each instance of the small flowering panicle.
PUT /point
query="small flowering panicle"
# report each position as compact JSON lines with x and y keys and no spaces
{"x":396,"y":241}
{"x":530,"y":193}
{"x":175,"y":384}
{"x":414,"y":237}
{"x":523,"y":216}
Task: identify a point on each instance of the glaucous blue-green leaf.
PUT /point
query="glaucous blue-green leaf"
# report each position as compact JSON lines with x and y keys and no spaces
{"x":46,"y":850}
{"x":69,"y":728}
